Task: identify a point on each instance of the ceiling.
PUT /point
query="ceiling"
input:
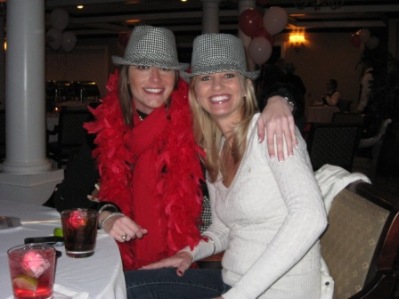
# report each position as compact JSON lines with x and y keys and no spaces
{"x":101,"y":18}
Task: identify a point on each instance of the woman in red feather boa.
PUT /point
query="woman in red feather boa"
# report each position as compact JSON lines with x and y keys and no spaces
{"x":148,"y":160}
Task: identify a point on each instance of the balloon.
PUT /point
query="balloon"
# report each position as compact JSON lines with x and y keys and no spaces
{"x":250,"y":21}
{"x":275,"y":19}
{"x":123,"y":38}
{"x":59,"y":18}
{"x":54,"y":38}
{"x":364,"y":35}
{"x":260,"y":50}
{"x":262,"y":32}
{"x":355,"y":40}
{"x":68,"y":41}
{"x":372,"y":43}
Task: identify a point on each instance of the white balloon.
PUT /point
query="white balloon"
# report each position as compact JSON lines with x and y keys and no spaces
{"x":68,"y":41}
{"x":260,"y":50}
{"x":59,"y":18}
{"x":275,"y":19}
{"x":54,"y":38}
{"x":373,"y":43}
{"x":364,"y":35}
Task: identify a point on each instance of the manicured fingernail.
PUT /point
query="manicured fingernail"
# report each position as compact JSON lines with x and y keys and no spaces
{"x":259,"y":140}
{"x":179,"y":272}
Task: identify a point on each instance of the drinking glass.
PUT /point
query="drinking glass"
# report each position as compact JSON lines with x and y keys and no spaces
{"x":32,"y":270}
{"x":80,"y":231}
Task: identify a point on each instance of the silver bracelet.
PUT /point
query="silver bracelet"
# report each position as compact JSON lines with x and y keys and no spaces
{"x":101,"y":224}
{"x":107,"y":206}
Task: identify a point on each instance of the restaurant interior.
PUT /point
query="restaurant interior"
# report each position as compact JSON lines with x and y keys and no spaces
{"x":319,"y":39}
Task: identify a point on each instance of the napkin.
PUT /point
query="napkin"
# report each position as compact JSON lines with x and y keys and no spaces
{"x":61,"y":292}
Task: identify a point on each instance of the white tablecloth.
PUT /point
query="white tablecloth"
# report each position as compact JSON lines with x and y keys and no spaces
{"x":101,"y":275}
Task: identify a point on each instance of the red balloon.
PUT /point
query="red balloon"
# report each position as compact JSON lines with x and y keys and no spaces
{"x":250,"y":21}
{"x":355,"y":40}
{"x":262,"y":32}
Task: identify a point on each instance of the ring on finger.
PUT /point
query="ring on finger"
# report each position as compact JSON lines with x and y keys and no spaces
{"x":124,"y":236}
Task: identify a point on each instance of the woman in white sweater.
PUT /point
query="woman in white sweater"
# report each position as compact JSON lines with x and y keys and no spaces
{"x":268,"y":231}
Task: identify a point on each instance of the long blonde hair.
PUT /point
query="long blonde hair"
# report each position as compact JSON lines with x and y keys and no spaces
{"x":208,"y":134}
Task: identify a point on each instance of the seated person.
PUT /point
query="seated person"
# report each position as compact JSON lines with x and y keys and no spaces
{"x":333,"y":96}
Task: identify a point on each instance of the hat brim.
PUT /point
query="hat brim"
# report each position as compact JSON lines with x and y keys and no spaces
{"x":187,"y":76}
{"x":159,"y":64}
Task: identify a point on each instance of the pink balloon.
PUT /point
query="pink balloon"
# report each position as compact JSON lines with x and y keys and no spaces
{"x":262,"y":32}
{"x":260,"y":50}
{"x":364,"y":35}
{"x":250,"y":21}
{"x":372,"y":43}
{"x":275,"y":19}
{"x":54,"y":38}
{"x":355,"y":40}
{"x":68,"y":41}
{"x":59,"y":18}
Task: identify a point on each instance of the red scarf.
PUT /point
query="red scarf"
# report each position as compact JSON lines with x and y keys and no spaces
{"x":152,"y":172}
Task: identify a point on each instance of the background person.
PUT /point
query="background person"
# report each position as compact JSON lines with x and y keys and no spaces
{"x":333,"y":96}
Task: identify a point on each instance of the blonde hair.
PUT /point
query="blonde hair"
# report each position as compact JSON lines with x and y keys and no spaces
{"x":208,"y":134}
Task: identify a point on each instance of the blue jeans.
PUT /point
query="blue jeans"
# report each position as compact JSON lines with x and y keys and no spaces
{"x":165,"y":284}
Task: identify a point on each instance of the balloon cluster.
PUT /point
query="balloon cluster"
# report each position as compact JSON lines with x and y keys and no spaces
{"x":55,"y":36}
{"x":262,"y":28}
{"x":363,"y":38}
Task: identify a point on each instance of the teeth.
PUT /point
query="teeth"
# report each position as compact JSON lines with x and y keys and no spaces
{"x":154,"y":90}
{"x":219,"y":98}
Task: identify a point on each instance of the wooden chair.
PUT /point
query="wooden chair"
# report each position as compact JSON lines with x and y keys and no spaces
{"x":361,"y":243}
{"x":71,"y":135}
{"x":333,"y":144}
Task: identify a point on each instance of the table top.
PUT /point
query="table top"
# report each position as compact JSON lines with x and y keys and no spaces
{"x":101,"y":275}
{"x":320,"y":113}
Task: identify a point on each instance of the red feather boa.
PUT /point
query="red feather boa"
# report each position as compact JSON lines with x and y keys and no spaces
{"x":155,"y":180}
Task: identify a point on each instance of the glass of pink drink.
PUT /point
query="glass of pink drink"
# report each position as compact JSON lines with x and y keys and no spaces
{"x":80,"y":231}
{"x":32,"y":270}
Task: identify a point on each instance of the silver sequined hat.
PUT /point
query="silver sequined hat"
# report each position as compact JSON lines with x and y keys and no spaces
{"x":151,"y":46}
{"x":218,"y":52}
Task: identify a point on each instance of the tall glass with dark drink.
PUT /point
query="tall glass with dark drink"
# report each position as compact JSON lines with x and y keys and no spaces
{"x":80,"y":231}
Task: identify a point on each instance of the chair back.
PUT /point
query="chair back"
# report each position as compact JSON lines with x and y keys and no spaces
{"x":71,"y":134}
{"x":348,"y":118}
{"x":71,"y":131}
{"x":333,"y":144}
{"x":361,"y":243}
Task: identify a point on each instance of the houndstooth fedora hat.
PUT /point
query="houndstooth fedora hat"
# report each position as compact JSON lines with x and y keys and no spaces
{"x":151,"y":46}
{"x":218,"y":52}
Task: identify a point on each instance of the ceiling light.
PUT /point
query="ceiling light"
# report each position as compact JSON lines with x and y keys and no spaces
{"x":79,"y":6}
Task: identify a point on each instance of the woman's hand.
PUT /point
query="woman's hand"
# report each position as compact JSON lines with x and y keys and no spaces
{"x":277,"y":121}
{"x":181,"y":261}
{"x":122,"y":228}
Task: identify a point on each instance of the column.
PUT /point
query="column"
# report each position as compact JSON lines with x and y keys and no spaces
{"x":210,"y":16}
{"x":2,"y":62}
{"x":26,"y":167}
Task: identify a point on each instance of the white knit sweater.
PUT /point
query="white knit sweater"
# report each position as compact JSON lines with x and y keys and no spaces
{"x":268,"y":222}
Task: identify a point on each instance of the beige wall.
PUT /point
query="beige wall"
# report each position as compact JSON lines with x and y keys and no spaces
{"x":325,"y":56}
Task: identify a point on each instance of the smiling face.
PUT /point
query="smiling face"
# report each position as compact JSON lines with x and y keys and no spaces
{"x":150,"y":86}
{"x":221,"y":95}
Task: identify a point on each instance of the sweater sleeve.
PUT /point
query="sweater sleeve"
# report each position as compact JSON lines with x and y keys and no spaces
{"x":305,"y":221}
{"x":216,"y":235}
